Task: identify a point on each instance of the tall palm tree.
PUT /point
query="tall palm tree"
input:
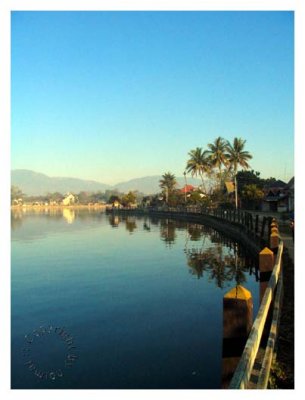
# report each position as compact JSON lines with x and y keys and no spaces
{"x":198,"y":164}
{"x":168,"y":183}
{"x":237,"y":157}
{"x":217,"y":154}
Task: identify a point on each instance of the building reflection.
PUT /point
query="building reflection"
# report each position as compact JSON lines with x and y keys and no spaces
{"x":69,"y":215}
{"x":114,"y":220}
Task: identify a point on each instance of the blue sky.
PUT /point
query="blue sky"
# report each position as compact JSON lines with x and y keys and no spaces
{"x":112,"y":96}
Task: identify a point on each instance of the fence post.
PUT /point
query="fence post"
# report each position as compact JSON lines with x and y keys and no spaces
{"x":270,"y":219}
{"x":237,"y":322}
{"x":251,"y":222}
{"x":274,"y":241}
{"x":266,"y":263}
{"x":256,"y":223}
{"x":263,"y":227}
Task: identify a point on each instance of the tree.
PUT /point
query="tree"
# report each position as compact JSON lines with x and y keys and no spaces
{"x":16,"y":194}
{"x":237,"y":157}
{"x":198,"y":164}
{"x":168,"y":184}
{"x":252,"y":195}
{"x":217,"y":154}
{"x":113,"y":198}
{"x":128,"y":199}
{"x":247,"y":178}
{"x":56,"y":196}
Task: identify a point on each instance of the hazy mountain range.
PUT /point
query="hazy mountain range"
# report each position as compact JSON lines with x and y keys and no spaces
{"x":35,"y":183}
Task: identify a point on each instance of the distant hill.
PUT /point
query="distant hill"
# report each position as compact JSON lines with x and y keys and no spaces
{"x":34,"y":183}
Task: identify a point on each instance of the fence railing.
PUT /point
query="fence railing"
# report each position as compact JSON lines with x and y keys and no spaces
{"x":241,"y":377}
{"x":253,"y":224}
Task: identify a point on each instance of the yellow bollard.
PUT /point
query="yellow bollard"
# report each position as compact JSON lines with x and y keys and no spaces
{"x":274,"y":240}
{"x":266,"y":260}
{"x":237,"y":323}
{"x":266,"y":263}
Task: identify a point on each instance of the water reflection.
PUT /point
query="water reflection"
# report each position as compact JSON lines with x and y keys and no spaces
{"x":69,"y":215}
{"x":114,"y":220}
{"x":102,"y":284}
{"x":168,"y":231}
{"x":219,"y":264}
{"x":130,"y":224}
{"x":220,"y":258}
{"x":208,"y":253}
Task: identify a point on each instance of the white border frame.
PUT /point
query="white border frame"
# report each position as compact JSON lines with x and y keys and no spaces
{"x":6,"y":6}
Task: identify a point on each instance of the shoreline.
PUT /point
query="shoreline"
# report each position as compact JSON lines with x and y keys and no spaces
{"x":58,"y":207}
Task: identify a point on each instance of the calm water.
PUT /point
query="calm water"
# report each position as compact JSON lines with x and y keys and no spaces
{"x":103,"y":302}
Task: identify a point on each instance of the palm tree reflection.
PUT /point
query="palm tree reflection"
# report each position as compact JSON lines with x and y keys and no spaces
{"x":208,"y":253}
{"x":218,"y":263}
{"x":168,"y":231}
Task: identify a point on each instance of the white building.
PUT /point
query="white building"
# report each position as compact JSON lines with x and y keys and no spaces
{"x":69,"y":199}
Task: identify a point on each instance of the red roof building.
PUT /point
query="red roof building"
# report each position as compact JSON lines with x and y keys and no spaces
{"x":187,"y":189}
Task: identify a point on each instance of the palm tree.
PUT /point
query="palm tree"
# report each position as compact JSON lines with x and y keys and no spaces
{"x":237,"y":156}
{"x":168,"y":183}
{"x":198,"y":164}
{"x":217,"y":155}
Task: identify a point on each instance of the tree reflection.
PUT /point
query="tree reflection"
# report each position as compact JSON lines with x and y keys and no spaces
{"x":168,"y":231}
{"x":130,"y":224}
{"x":218,"y":266}
{"x":16,"y":219}
{"x":146,"y":225}
{"x":195,"y":232}
{"x":114,"y":220}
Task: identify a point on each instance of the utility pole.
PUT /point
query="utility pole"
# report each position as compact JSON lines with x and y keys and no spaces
{"x":184,"y":173}
{"x":235,"y":184}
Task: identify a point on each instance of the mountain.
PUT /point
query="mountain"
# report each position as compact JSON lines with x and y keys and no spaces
{"x":150,"y":184}
{"x":34,"y":183}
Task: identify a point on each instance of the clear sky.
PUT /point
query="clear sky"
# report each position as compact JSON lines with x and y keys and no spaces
{"x":112,"y":96}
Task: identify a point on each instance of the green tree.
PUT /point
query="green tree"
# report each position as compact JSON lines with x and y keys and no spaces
{"x":237,"y":157}
{"x":128,"y":199}
{"x":247,"y":178}
{"x":168,"y":184}
{"x":217,"y":153}
{"x":252,"y":195}
{"x":198,"y":164}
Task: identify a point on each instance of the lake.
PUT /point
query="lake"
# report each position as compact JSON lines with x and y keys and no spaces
{"x":109,"y":302}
